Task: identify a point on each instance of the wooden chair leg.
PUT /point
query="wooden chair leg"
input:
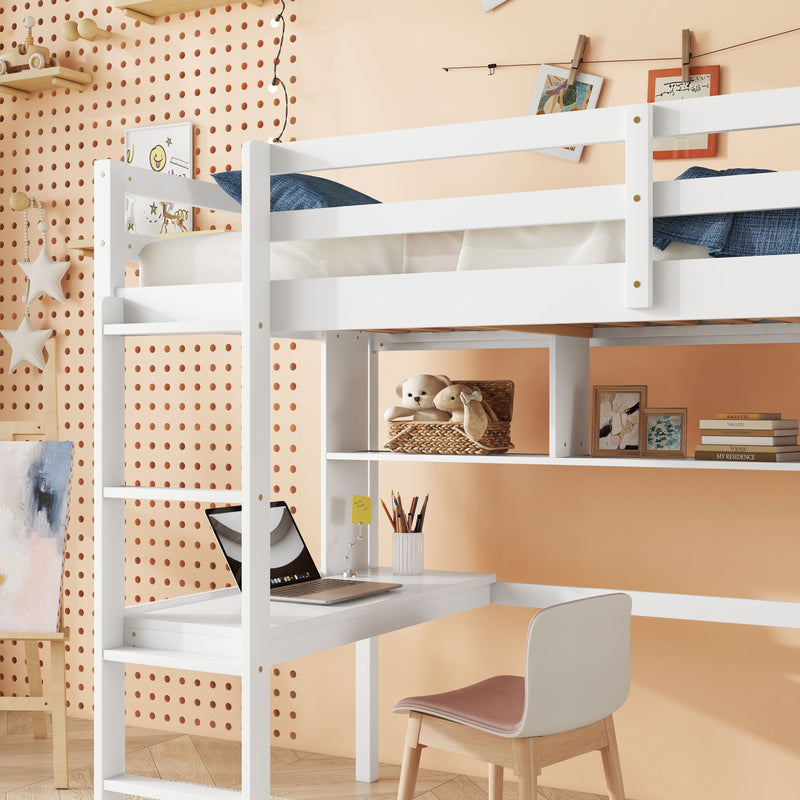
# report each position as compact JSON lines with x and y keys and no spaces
{"x":411,"y":756}
{"x":35,"y":687}
{"x":611,"y":764}
{"x":58,"y":704}
{"x":525,"y":767}
{"x":495,"y":782}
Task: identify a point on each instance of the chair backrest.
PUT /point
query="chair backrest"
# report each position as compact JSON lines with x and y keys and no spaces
{"x":578,"y":664}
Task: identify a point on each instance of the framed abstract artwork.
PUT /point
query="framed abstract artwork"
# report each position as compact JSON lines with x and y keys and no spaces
{"x":664,"y":432}
{"x":552,"y":95}
{"x":34,"y":494}
{"x":666,"y":84}
{"x":616,"y":417}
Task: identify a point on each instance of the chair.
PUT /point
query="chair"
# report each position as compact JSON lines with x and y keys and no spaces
{"x":577,"y":673}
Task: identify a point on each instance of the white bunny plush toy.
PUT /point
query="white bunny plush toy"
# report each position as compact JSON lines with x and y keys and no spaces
{"x":465,"y":404}
{"x":416,"y":395}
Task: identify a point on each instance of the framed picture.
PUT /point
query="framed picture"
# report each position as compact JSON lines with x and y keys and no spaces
{"x":161,"y":148}
{"x":551,"y":95}
{"x":664,"y":432}
{"x":616,"y":416}
{"x":666,"y":84}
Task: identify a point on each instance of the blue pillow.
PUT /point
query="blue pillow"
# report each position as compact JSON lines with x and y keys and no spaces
{"x":295,"y":191}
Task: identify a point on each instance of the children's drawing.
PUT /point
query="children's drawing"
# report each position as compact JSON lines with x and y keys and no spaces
{"x":34,"y":494}
{"x":160,"y":148}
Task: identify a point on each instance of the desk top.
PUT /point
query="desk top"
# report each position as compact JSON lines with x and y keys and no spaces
{"x":204,"y":631}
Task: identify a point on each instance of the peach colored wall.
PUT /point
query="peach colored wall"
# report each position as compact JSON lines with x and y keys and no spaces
{"x":713,"y":708}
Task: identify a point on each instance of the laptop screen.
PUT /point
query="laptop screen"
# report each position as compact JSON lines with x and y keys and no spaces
{"x":290,"y":560}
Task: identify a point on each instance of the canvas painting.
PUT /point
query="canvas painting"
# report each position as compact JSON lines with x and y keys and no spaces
{"x":34,"y":493}
{"x":553,"y":95}
{"x":160,"y":148}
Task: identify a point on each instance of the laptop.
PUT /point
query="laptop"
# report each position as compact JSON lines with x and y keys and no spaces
{"x":294,"y":576}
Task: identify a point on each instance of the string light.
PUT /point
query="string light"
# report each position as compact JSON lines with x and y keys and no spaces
{"x":279,"y":21}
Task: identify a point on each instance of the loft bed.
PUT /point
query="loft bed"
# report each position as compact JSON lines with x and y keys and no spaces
{"x":565,"y":307}
{"x":632,"y":291}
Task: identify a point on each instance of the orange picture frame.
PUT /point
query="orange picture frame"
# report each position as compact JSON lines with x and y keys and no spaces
{"x":666,"y":84}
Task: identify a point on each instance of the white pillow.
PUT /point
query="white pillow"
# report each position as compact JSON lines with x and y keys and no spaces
{"x":432,"y":252}
{"x":554,"y":245}
{"x":215,"y":257}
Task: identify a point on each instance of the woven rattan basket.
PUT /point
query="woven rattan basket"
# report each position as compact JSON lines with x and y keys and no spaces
{"x":449,"y":438}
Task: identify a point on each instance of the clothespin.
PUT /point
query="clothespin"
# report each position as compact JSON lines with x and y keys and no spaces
{"x":577,"y":58}
{"x":686,"y":55}
{"x":491,"y":68}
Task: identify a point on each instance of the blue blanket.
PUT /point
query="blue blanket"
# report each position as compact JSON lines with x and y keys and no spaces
{"x":746,"y":233}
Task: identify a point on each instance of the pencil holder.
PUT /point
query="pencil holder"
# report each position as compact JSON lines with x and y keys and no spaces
{"x":407,"y":553}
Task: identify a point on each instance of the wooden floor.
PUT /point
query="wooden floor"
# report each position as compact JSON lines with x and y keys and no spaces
{"x":26,"y":771}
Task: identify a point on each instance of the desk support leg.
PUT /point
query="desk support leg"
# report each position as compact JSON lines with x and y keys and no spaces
{"x":367,"y":710}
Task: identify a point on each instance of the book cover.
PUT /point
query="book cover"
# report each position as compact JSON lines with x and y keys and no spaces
{"x":749,"y":424}
{"x":750,"y":448}
{"x":749,"y":440}
{"x":743,"y":432}
{"x":748,"y":415}
{"x":710,"y":455}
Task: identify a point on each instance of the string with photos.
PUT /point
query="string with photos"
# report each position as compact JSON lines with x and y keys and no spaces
{"x":279,"y":21}
{"x":43,"y":276}
{"x":493,"y":67}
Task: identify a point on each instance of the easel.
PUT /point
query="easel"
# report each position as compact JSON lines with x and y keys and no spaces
{"x":55,"y":701}
{"x":15,"y":430}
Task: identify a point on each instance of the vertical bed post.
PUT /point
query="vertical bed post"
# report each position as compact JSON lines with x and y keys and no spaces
{"x":639,"y":206}
{"x":256,"y":656}
{"x":109,"y":468}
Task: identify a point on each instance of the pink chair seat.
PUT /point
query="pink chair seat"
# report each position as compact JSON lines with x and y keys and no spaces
{"x":495,"y":704}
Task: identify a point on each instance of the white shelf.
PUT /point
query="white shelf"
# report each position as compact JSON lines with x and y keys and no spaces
{"x":174,"y":659}
{"x":169,"y":493}
{"x":140,"y":786}
{"x":533,"y":459}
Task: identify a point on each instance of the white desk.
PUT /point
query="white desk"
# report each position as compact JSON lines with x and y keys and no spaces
{"x":204,"y":632}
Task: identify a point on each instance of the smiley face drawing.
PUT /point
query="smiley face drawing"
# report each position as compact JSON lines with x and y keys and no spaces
{"x":158,"y":158}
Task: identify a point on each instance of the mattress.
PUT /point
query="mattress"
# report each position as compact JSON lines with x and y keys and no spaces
{"x":215,"y":257}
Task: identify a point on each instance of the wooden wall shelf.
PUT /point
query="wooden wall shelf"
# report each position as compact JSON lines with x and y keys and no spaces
{"x":84,"y":246}
{"x":40,"y":80}
{"x":149,"y":10}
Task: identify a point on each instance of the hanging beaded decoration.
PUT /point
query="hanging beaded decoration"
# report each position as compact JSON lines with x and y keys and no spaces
{"x":42,"y":226}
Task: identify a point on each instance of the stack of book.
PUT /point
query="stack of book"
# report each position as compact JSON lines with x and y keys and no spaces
{"x":748,"y":436}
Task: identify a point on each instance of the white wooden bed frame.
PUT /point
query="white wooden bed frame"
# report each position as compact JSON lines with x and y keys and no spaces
{"x":565,"y":309}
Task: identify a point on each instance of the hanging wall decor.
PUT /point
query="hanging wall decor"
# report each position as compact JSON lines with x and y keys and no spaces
{"x":553,"y":94}
{"x":43,"y":277}
{"x":668,"y":84}
{"x":160,"y":148}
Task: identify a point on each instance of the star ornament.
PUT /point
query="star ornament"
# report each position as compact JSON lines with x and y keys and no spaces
{"x":27,"y":344}
{"x":45,"y":276}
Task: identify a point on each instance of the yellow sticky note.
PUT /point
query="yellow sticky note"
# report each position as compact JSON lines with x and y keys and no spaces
{"x":362,"y":510}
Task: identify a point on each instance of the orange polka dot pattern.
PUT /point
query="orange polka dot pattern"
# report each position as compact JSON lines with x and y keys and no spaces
{"x":212,"y":68}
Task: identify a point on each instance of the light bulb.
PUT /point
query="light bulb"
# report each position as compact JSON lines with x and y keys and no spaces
{"x":275,"y":22}
{"x":273,"y":87}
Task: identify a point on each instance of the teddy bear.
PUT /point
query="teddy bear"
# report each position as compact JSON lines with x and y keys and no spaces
{"x":466,"y":407}
{"x":416,"y":394}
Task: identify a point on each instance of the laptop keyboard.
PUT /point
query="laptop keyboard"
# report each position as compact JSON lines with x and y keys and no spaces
{"x":311,"y":587}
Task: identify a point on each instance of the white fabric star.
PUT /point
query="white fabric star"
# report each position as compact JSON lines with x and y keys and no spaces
{"x":27,"y":344}
{"x":45,"y":276}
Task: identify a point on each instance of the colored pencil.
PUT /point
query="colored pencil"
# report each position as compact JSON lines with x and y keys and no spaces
{"x":391,"y":518}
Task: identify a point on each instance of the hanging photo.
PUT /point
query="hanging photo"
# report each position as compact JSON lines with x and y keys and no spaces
{"x":552,"y":95}
{"x":666,"y":84}
{"x":161,"y":148}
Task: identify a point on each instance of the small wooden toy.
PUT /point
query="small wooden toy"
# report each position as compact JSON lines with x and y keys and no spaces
{"x":27,"y":55}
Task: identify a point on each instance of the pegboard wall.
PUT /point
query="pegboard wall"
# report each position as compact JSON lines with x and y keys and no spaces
{"x":212,"y":68}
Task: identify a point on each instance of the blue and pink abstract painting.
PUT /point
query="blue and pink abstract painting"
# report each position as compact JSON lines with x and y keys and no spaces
{"x":34,"y":495}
